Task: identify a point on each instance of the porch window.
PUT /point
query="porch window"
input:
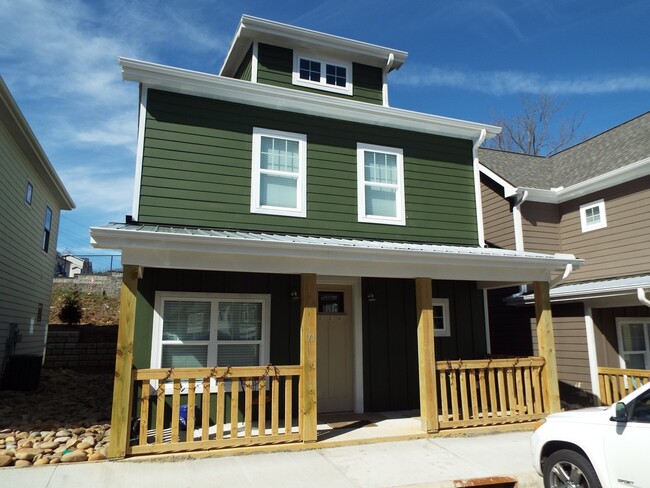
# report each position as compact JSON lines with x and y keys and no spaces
{"x":441,"y":325}
{"x":634,"y":342}
{"x":380,"y":184}
{"x":592,"y":216}
{"x":205,"y":330}
{"x":278,"y":178}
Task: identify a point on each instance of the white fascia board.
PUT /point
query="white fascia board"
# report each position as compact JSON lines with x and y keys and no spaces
{"x":254,"y":28}
{"x":612,"y":178}
{"x":179,"y":80}
{"x":188,"y":251}
{"x":508,"y":189}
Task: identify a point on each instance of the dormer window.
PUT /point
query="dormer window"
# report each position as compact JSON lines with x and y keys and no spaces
{"x":322,"y":74}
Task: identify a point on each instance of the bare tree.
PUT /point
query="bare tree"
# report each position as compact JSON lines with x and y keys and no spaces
{"x":534,"y":131}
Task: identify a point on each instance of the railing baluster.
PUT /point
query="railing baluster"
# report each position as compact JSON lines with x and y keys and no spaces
{"x":234,"y":408}
{"x":221,"y":409}
{"x":444,"y":405}
{"x":176,"y":402}
{"x":463,"y":393}
{"x":275,"y":407}
{"x":261,"y":415}
{"x":248,"y":408}
{"x":144,"y":413}
{"x":473,"y":398}
{"x":205,"y":409}
{"x":191,"y":408}
{"x":287,"y":405}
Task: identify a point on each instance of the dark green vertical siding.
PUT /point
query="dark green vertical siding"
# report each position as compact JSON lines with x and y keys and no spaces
{"x":197,"y":172}
{"x":275,"y":67}
{"x":245,"y":68}
{"x":390,"y":356}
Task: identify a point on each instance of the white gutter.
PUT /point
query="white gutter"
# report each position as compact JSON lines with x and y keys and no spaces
{"x":477,"y":187}
{"x":237,"y":91}
{"x":601,"y":182}
{"x":640,"y":293}
{"x":559,"y":279}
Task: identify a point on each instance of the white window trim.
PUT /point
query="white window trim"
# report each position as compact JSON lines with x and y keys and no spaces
{"x":322,"y":84}
{"x":620,"y":322}
{"x":583,"y":216}
{"x":29,"y":193}
{"x":400,"y":218}
{"x":301,"y":185}
{"x":214,"y":298}
{"x":446,"y":330}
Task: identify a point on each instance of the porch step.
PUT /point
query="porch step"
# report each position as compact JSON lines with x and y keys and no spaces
{"x":491,"y":481}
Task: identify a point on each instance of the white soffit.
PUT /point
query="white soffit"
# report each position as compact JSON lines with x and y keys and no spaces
{"x":178,"y":80}
{"x":254,"y":252}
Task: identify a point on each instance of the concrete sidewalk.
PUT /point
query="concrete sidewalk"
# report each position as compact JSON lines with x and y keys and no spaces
{"x":431,"y":462}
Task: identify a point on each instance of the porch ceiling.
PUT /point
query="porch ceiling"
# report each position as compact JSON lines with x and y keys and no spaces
{"x":188,"y":248}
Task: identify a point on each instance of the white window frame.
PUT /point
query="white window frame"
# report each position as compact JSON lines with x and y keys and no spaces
{"x":400,"y":213}
{"x":212,"y":342}
{"x":446,"y":330}
{"x":586,"y":227}
{"x":29,"y":193}
{"x":623,"y":321}
{"x":322,"y":84}
{"x":301,"y":184}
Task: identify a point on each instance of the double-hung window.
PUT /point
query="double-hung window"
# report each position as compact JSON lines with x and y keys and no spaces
{"x":441,"y":325}
{"x":380,"y":184}
{"x":204,"y":330}
{"x":634,"y":342}
{"x":322,"y":74}
{"x":592,"y":216}
{"x":279,"y":173}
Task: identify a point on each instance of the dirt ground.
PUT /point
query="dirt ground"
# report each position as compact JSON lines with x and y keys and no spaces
{"x":97,"y":309}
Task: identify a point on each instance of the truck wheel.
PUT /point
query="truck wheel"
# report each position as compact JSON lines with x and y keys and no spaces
{"x":569,"y":469}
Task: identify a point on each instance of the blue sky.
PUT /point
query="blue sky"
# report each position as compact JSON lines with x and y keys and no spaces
{"x":467,"y":59}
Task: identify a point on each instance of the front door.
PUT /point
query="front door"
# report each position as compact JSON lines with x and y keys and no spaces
{"x":335,"y":352}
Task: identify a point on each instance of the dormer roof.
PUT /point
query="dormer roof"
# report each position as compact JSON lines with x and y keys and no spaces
{"x":278,"y":34}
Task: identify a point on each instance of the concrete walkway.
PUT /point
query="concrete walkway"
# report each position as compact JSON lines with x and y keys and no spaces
{"x":431,"y":462}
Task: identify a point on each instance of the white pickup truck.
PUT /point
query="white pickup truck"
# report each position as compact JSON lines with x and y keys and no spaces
{"x":606,"y":447}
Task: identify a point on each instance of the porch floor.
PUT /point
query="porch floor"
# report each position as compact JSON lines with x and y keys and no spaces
{"x":349,"y":427}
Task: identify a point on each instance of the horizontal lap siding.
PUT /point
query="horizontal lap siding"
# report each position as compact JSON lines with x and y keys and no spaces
{"x":620,"y":249}
{"x":497,"y":215}
{"x":367,"y":84}
{"x":27,"y":270}
{"x":606,"y":335}
{"x":244,"y":72}
{"x":540,"y":225}
{"x":570,"y":345}
{"x":197,"y":172}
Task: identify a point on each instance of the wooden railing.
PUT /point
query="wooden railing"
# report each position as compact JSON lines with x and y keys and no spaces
{"x":615,"y":383}
{"x":234,"y":406}
{"x":490,"y":392}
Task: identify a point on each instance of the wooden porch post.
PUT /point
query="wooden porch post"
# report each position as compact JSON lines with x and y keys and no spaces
{"x":308,"y":305}
{"x":426,"y":356}
{"x":546,"y":343}
{"x":121,"y":413}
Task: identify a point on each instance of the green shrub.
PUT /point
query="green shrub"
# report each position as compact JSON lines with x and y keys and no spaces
{"x":71,"y":312}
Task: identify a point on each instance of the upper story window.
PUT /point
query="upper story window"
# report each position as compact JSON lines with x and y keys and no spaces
{"x":47,"y":225}
{"x":29,"y":193}
{"x":279,"y":173}
{"x":322,"y":74}
{"x":592,"y":216}
{"x":380,"y":184}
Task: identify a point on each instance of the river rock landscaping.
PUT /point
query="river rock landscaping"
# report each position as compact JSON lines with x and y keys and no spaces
{"x":66,"y":419}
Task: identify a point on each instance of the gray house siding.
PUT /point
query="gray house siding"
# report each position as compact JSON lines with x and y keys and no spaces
{"x":26,"y":270}
{"x":197,"y":172}
{"x":497,"y":215}
{"x":540,"y":222}
{"x":626,"y":234}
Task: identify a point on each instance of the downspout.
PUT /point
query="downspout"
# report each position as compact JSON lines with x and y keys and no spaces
{"x":558,"y":279}
{"x":520,"y":198}
{"x":477,"y":187}
{"x":389,"y":65}
{"x":640,"y":293}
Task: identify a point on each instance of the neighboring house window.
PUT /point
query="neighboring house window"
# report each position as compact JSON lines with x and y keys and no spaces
{"x":322,"y":74}
{"x":46,"y":229}
{"x":39,"y":313}
{"x":279,"y":174}
{"x":380,"y":184}
{"x":29,"y":192}
{"x":441,"y":325}
{"x":592,"y":216}
{"x":205,"y":330}
{"x":634,"y":342}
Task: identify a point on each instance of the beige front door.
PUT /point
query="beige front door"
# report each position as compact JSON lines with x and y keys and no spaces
{"x":335,"y":352}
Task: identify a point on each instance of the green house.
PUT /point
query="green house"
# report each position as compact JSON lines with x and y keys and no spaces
{"x":285,"y":214}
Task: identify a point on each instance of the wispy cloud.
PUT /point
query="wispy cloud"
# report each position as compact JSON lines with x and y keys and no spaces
{"x":516,"y":82}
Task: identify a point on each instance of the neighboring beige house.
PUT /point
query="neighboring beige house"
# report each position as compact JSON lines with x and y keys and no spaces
{"x":31,"y":198}
{"x":590,"y":200}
